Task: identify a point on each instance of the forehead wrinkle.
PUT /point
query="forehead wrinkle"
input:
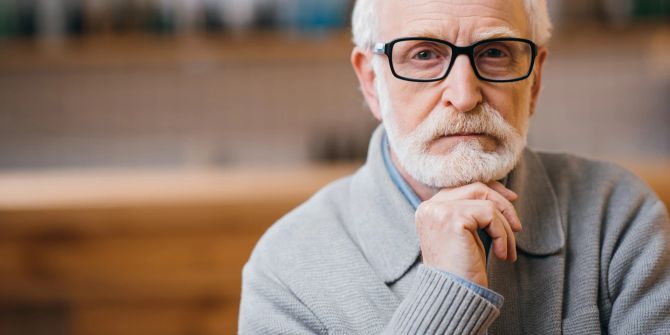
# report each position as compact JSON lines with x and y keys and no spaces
{"x":480,"y":33}
{"x":504,"y":5}
{"x":439,"y":7}
{"x":423,"y":30}
{"x":444,"y":20}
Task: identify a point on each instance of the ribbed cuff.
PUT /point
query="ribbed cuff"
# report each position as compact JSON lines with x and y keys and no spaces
{"x":437,"y":304}
{"x":490,"y":295}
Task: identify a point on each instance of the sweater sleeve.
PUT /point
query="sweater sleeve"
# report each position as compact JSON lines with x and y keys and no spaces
{"x":639,"y":274}
{"x":439,"y":304}
{"x":436,"y":304}
{"x":269,"y":307}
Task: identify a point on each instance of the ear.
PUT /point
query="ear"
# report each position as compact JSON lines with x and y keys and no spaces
{"x":362,"y":63}
{"x":537,"y":77}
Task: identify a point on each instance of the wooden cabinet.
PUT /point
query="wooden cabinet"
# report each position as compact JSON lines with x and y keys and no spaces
{"x":136,"y":253}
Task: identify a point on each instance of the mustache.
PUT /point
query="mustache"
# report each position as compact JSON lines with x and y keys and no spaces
{"x":484,"y":119}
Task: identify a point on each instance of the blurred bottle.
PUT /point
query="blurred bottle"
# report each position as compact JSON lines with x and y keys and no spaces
{"x":163,"y":16}
{"x":266,"y":14}
{"x":75,"y":17}
{"x":97,"y":15}
{"x":618,"y":12}
{"x":8,"y":15}
{"x":120,"y":15}
{"x":57,"y":18}
{"x":51,"y":19}
{"x":312,"y":15}
{"x":652,"y":9}
{"x":238,"y":14}
{"x":26,"y":24}
{"x":329,"y":14}
{"x":213,"y":18}
{"x":188,"y":15}
{"x":287,"y":13}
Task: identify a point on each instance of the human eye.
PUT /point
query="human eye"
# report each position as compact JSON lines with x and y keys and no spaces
{"x":420,"y":54}
{"x":425,"y":54}
{"x":494,"y":53}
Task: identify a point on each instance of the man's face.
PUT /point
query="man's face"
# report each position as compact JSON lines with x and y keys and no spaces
{"x":461,"y":129}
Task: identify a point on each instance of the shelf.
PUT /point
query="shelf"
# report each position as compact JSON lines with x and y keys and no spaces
{"x":157,"y":50}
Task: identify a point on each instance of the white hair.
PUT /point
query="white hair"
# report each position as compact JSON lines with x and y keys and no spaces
{"x":364,"y":22}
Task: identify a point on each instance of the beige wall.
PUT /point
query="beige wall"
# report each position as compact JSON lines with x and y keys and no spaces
{"x":217,"y":102}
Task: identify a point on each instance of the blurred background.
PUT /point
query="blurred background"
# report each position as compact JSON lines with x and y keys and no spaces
{"x":145,"y":145}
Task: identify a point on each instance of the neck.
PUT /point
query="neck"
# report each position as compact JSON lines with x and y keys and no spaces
{"x":424,"y":192}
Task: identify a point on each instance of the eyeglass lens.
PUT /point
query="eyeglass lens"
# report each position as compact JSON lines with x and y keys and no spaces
{"x":495,"y":60}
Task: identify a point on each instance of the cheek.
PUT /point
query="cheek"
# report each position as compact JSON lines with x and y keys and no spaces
{"x":412,"y":103}
{"x":512,"y":100}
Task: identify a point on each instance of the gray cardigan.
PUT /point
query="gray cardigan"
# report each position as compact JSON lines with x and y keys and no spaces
{"x":593,"y":257}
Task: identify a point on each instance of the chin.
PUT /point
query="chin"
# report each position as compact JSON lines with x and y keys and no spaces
{"x":465,"y":164}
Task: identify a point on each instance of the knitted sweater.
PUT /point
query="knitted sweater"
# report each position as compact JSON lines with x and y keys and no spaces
{"x":593,"y":257}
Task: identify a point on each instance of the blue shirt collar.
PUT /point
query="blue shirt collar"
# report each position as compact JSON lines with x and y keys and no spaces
{"x":398,"y":180}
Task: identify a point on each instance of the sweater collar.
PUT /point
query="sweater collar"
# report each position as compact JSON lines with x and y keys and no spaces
{"x":383,"y":218}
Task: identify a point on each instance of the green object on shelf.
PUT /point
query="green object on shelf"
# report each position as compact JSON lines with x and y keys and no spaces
{"x":7,"y":18}
{"x":162,"y":20}
{"x":651,"y":8}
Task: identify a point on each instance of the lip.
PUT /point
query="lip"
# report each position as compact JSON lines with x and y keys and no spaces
{"x":465,"y":135}
{"x":446,"y":143}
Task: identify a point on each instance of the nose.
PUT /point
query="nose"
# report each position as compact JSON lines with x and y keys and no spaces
{"x":462,"y":89}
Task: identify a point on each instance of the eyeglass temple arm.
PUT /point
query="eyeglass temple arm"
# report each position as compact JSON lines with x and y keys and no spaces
{"x":379,"y":48}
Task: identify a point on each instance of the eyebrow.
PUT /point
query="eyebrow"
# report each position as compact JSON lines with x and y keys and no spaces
{"x":478,"y":36}
{"x":495,"y":33}
{"x":424,"y":33}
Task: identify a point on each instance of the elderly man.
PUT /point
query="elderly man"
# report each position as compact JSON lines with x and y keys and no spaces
{"x":452,"y":226}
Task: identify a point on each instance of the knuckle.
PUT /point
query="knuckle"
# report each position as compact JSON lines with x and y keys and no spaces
{"x":424,"y":209}
{"x":479,"y":185}
{"x":490,"y":210}
{"x":470,"y":225}
{"x":444,"y":213}
{"x":480,"y":190}
{"x":432,"y":213}
{"x":427,"y":212}
{"x":491,"y":206}
{"x":483,"y":188}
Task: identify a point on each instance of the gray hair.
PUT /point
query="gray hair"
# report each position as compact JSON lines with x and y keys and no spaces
{"x":364,"y":22}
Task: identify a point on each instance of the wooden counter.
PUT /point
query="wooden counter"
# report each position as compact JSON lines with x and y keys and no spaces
{"x":140,"y":252}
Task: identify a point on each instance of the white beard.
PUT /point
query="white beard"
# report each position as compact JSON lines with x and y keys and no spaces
{"x":467,"y":162}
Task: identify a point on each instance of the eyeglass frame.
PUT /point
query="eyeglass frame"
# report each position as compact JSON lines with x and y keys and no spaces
{"x":469,"y":51}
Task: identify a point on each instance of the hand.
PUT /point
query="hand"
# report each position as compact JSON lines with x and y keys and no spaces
{"x":447,"y":228}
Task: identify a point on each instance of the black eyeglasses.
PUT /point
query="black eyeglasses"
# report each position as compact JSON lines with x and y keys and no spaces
{"x":423,"y":59}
